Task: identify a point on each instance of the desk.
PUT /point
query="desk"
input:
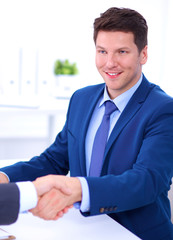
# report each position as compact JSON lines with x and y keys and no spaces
{"x":72,"y":226}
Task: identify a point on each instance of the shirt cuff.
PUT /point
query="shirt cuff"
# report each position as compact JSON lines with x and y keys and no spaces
{"x":28,"y":196}
{"x":84,"y":205}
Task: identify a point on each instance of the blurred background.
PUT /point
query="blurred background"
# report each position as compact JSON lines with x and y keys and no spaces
{"x":34,"y":34}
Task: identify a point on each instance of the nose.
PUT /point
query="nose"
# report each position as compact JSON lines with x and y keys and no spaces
{"x":112,"y":61}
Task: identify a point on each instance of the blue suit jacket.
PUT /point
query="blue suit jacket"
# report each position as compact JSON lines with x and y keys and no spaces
{"x":138,"y":161}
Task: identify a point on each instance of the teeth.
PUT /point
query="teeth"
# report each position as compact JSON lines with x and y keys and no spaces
{"x":113,"y":74}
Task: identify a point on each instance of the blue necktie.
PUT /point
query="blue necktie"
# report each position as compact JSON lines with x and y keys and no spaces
{"x":100,"y":141}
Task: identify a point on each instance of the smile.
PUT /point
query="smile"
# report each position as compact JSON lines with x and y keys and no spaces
{"x":112,"y":75}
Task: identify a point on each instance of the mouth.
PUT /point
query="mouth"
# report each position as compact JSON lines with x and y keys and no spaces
{"x":113,"y":74}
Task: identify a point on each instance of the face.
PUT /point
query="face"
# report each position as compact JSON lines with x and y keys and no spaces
{"x":119,"y":61}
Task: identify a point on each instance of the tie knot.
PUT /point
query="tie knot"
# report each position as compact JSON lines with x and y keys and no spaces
{"x":110,"y":107}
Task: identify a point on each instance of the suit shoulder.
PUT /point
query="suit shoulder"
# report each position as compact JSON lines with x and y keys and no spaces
{"x":86,"y":93}
{"x":160,"y":95}
{"x":89,"y":89}
{"x":151,"y":92}
{"x":159,"y":102}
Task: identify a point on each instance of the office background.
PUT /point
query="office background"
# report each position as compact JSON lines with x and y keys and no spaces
{"x":37,"y":32}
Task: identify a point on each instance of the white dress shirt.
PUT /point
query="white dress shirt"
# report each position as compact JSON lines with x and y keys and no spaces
{"x":28,"y":196}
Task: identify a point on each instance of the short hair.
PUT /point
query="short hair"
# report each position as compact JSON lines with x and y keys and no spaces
{"x":124,"y":20}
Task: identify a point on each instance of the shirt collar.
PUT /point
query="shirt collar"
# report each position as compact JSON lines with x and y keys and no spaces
{"x":122,"y":100}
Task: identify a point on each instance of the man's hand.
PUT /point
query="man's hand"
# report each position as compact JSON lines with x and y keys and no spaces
{"x":3,"y":178}
{"x":56,"y":202}
{"x":45,"y":184}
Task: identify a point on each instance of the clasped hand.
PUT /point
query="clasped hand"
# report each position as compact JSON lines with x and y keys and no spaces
{"x":56,"y":194}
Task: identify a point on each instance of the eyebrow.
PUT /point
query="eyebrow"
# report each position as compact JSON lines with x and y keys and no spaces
{"x":127,"y":48}
{"x":100,"y":47}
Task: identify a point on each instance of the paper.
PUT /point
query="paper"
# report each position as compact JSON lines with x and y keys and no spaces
{"x":5,"y":235}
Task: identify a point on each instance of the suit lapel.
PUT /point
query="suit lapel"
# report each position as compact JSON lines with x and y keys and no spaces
{"x":130,"y":110}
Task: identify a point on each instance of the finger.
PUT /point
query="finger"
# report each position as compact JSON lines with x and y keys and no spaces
{"x":59,"y":215}
{"x":43,"y":207}
{"x":49,"y":205}
{"x":66,"y":209}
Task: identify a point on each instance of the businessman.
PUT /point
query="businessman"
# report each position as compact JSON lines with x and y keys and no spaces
{"x":22,"y":196}
{"x":117,"y":141}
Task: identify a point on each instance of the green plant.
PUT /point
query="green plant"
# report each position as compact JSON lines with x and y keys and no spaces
{"x":65,"y":68}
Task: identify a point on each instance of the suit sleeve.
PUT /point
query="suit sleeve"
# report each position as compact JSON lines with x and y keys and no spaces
{"x":9,"y":203}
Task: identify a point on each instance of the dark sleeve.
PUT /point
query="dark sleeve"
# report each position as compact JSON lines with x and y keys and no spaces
{"x":9,"y":203}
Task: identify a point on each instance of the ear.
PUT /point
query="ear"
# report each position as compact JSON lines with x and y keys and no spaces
{"x":144,"y":55}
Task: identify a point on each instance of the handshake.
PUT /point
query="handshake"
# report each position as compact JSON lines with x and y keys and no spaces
{"x":56,"y":194}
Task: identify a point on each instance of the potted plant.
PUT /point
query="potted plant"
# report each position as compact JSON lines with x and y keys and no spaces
{"x":65,"y":73}
{"x":65,"y":68}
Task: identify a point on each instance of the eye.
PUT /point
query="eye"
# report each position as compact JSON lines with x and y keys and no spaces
{"x":102,"y":51}
{"x":123,"y":52}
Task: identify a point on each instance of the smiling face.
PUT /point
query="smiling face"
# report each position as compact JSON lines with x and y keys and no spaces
{"x":119,"y":61}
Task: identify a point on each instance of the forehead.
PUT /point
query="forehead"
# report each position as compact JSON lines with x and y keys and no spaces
{"x":116,"y":39}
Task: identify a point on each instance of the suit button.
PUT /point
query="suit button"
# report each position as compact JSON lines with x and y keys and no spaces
{"x":114,"y":208}
{"x":110,"y":209}
{"x":102,"y":210}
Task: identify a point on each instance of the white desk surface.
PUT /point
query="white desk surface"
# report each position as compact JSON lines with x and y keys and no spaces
{"x":72,"y":226}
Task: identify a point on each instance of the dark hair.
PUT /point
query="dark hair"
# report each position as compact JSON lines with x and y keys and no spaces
{"x":124,"y":20}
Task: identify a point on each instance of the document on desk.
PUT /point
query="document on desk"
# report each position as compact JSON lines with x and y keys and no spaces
{"x":5,"y":235}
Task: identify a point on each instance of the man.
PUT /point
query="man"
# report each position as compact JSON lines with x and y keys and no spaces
{"x":129,"y":178}
{"x":22,"y":196}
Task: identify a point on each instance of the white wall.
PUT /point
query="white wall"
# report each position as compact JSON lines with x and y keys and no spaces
{"x":63,"y":29}
{"x":42,"y":31}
